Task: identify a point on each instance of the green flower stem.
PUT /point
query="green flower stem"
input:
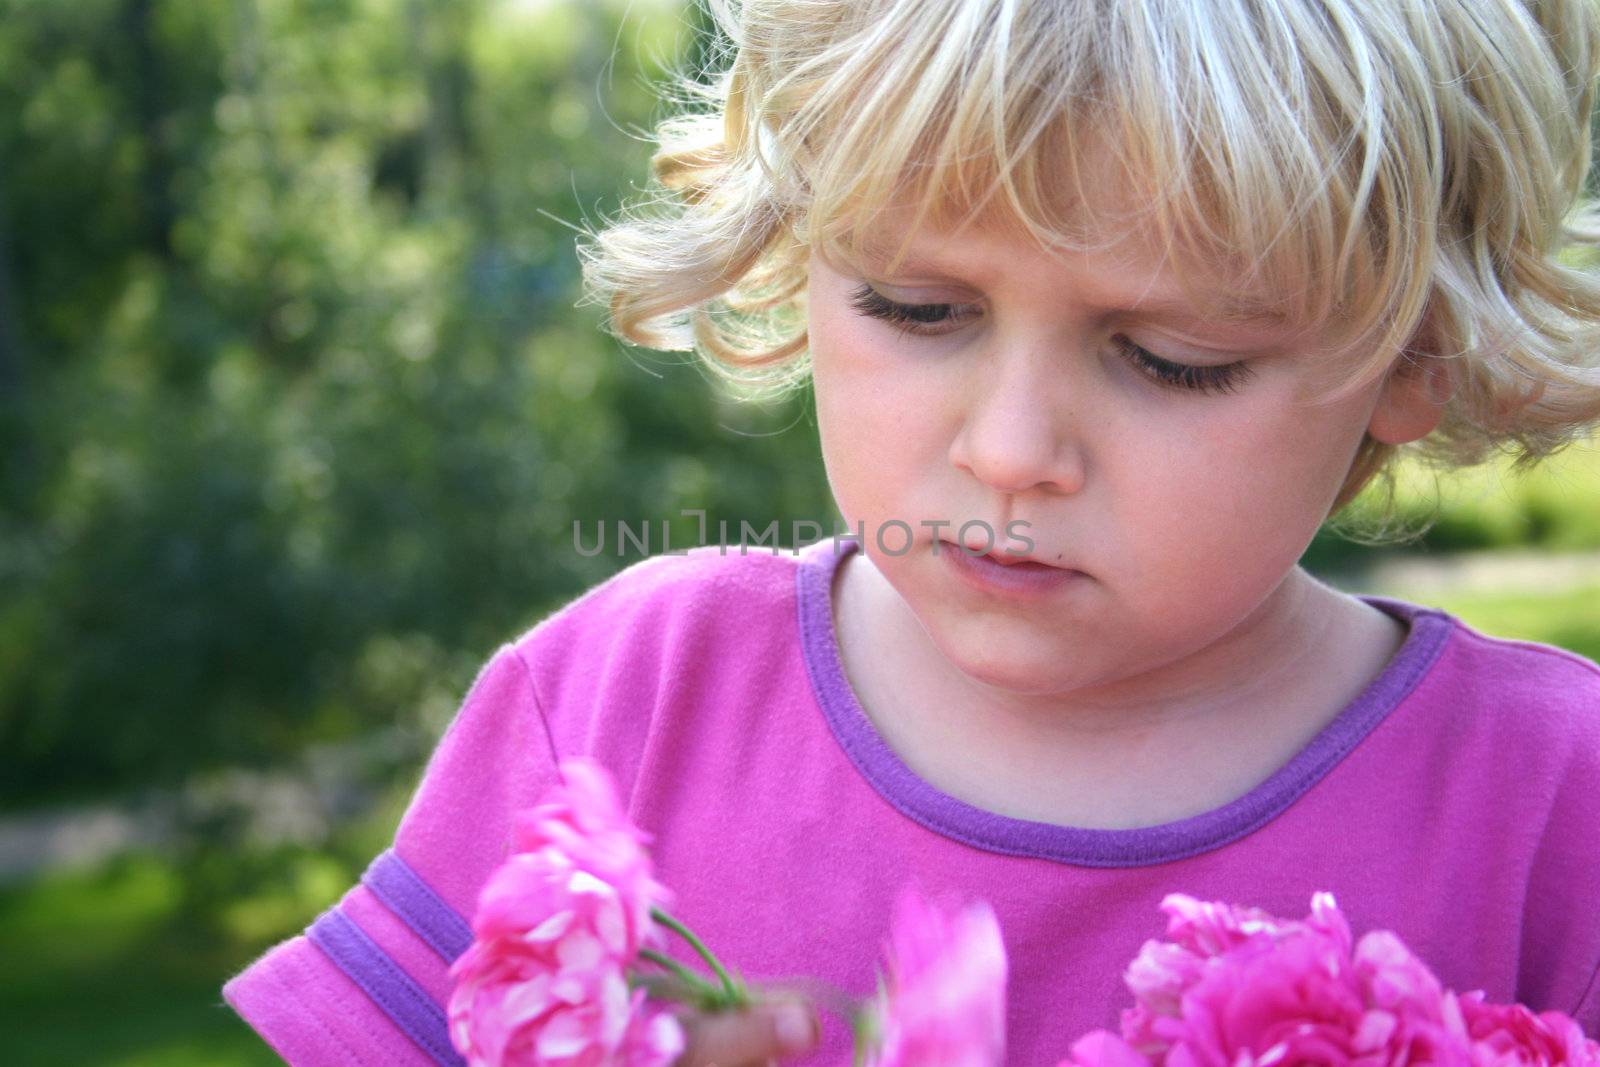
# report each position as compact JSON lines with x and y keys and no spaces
{"x":855,"y":1012}
{"x":657,"y":986}
{"x":697,"y":985}
{"x":736,"y":996}
{"x":864,"y":1037}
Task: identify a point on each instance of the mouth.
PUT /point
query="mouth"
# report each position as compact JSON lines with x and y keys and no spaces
{"x":1021,"y":561}
{"x":1007,"y":559}
{"x":1000,"y":574}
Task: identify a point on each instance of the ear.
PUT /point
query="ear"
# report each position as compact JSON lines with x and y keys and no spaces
{"x":1415,"y":391}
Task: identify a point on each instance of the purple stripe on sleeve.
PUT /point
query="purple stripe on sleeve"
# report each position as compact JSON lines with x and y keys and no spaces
{"x":404,"y":892}
{"x":390,"y":988}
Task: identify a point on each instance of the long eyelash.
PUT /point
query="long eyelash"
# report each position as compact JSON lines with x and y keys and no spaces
{"x":915,"y":318}
{"x":1224,"y":378}
{"x":910,"y":318}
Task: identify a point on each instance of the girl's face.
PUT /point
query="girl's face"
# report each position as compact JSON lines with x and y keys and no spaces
{"x":1175,"y":463}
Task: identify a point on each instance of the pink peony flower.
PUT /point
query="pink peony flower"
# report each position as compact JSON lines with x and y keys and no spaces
{"x":1303,"y":999}
{"x":1509,"y":1035}
{"x":1236,"y":987}
{"x":1102,"y":1048}
{"x":582,"y":822}
{"x":944,"y":1005}
{"x":1239,"y":986}
{"x":1165,"y":972}
{"x":513,"y":1009}
{"x":558,"y":926}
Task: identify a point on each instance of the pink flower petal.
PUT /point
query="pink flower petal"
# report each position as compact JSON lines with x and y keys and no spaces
{"x":558,"y":926}
{"x":615,"y":1006}
{"x":1101,"y":1048}
{"x":551,"y":928}
{"x":1237,"y":987}
{"x":944,"y":1001}
{"x":526,"y":1001}
{"x":566,"y":1034}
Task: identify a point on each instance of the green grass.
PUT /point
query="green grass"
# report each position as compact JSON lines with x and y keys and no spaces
{"x":1569,"y":618}
{"x":123,"y":967}
{"x":100,"y":970}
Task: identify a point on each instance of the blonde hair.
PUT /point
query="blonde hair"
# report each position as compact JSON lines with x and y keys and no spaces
{"x":1371,"y":167}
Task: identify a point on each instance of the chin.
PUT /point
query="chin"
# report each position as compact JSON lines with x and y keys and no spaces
{"x":1023,"y":674}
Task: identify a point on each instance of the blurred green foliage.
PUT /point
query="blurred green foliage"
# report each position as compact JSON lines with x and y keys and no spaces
{"x":1554,"y":506}
{"x":297,"y":409}
{"x":1568,"y":618}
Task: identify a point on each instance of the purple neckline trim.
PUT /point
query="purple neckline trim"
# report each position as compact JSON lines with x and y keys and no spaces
{"x":944,"y":814}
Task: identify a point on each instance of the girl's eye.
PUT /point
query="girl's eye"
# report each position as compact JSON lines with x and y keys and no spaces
{"x":1222,"y":378}
{"x":909,"y":318}
{"x":918,"y":318}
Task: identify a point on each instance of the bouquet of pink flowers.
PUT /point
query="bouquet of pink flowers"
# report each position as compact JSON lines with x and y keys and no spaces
{"x":1237,"y":987}
{"x":566,"y":969}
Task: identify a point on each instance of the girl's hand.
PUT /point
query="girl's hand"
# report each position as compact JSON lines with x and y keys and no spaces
{"x":756,"y":1036}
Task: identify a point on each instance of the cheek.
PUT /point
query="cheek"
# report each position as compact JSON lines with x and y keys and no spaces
{"x":878,"y":411}
{"x":858,"y":409}
{"x":1239,"y":492}
{"x":1310,"y":450}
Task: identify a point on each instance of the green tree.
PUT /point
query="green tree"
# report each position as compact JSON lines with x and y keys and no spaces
{"x":299,"y":409}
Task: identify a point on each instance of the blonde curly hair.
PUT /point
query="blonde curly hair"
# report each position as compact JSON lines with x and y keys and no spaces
{"x":1383,"y":169}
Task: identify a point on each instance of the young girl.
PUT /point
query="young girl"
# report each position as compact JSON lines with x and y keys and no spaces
{"x":1107,"y":306}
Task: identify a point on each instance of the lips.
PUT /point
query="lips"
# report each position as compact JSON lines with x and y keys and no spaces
{"x":1019,"y":561}
{"x":1006,"y":559}
{"x":993,"y":574}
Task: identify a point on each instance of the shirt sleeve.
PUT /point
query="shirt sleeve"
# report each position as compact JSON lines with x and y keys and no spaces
{"x":1587,"y":1013}
{"x":368,"y":981}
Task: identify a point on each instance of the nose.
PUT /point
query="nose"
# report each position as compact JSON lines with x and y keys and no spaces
{"x":1017,"y":433}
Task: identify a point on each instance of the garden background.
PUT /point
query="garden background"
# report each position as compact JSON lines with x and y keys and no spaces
{"x":297,"y":408}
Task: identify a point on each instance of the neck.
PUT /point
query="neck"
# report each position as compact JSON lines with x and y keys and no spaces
{"x":1169,"y":743}
{"x":1295,"y":624}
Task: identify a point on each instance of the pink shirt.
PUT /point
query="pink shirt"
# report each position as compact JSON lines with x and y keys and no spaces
{"x":1456,"y":801}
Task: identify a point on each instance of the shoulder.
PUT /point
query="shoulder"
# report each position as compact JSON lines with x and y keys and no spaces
{"x":664,"y":597}
{"x":1526,"y":661}
{"x":1512,"y":725}
{"x":1538,"y":694}
{"x":665,"y":638}
{"x":616,"y":669}
{"x":1526,"y":692}
{"x":1534,"y":712}
{"x":1507,"y":743}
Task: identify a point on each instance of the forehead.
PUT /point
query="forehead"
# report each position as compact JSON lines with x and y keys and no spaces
{"x":1097,"y":217}
{"x":1124,"y":269}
